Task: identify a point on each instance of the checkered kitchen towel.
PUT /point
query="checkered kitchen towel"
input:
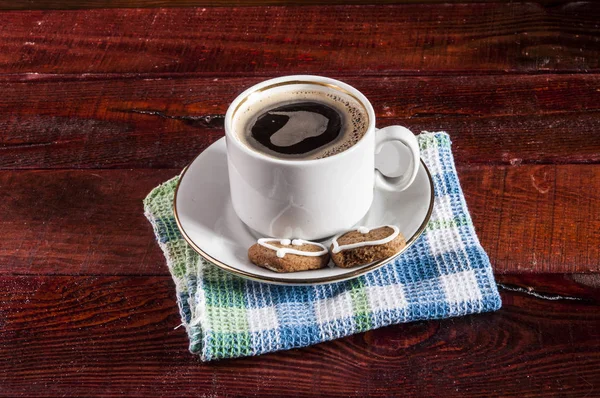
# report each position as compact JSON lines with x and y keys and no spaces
{"x":445,"y":273}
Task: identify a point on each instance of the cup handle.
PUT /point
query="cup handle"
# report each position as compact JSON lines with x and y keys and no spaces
{"x":406,"y":137}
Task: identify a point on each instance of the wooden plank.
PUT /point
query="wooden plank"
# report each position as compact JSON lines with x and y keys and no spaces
{"x":87,"y":4}
{"x":577,"y":287}
{"x":76,"y":336}
{"x":87,"y":222}
{"x":91,"y":122}
{"x":73,"y":222}
{"x":532,"y":218}
{"x":266,"y":41}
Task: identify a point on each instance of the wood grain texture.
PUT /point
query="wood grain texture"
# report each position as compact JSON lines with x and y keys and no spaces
{"x":573,"y":287}
{"x":70,"y":222}
{"x":109,"y":336}
{"x":413,"y":38}
{"x":529,"y":219}
{"x":87,"y":4}
{"x":95,"y":122}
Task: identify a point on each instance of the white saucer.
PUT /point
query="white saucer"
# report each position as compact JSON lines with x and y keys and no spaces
{"x":209,"y":224}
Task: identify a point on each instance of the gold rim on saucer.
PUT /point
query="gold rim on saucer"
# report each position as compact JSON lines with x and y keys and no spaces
{"x":311,"y":281}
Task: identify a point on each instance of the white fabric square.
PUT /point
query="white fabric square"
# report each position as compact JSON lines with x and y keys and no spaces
{"x":260,"y":319}
{"x":382,"y":298}
{"x":461,"y":287}
{"x":444,"y":241}
{"x":434,"y":165}
{"x":334,"y":308}
{"x":442,"y":236}
{"x":442,"y":209}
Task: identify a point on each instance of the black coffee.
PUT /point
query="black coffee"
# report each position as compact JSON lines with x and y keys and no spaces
{"x":302,"y":124}
{"x":297,"y":129}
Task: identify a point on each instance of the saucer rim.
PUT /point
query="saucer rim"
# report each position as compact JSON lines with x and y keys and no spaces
{"x":299,"y":282}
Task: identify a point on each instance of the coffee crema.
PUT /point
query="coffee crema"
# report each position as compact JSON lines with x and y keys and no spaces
{"x":301,"y":123}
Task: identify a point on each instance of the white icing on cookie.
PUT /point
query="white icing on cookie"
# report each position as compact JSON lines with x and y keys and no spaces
{"x":364,"y":230}
{"x":282,"y":251}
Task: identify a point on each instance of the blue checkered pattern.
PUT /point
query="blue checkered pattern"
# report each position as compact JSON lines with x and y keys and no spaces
{"x":445,"y":273}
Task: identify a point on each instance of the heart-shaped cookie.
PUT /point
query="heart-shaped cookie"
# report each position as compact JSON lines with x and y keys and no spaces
{"x":364,"y":246}
{"x":285,"y":255}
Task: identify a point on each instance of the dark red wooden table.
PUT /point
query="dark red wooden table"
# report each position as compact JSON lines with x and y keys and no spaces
{"x":97,"y":106}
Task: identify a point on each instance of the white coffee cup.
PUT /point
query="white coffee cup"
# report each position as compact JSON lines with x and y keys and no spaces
{"x":317,"y":198}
